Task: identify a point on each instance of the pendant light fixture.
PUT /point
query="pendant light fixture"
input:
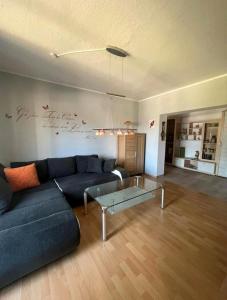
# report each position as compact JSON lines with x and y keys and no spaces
{"x":116,"y":51}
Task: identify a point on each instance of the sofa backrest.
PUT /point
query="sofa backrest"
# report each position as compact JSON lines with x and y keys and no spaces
{"x":55,"y":167}
{"x":82,"y":162}
{"x":41,"y":167}
{"x":60,"y":167}
{"x":2,"y":174}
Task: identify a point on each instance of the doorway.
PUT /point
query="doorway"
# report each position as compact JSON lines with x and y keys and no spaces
{"x":170,"y":131}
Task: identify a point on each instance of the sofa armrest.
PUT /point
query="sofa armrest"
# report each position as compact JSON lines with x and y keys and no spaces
{"x":27,"y":247}
{"x":120,"y":172}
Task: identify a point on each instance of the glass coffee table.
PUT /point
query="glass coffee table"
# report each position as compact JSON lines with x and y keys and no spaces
{"x":116,"y":196}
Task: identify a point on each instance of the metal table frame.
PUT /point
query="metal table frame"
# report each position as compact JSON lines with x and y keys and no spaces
{"x":104,"y":209}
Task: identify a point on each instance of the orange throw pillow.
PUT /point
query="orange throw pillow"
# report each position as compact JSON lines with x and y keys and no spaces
{"x":22,"y":178}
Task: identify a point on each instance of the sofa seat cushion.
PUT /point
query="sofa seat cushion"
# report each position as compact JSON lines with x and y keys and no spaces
{"x":73,"y":186}
{"x":32,"y":204}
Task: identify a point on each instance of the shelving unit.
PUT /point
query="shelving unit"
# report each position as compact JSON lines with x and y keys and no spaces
{"x":210,"y":141}
{"x":190,"y":131}
{"x":199,"y":138}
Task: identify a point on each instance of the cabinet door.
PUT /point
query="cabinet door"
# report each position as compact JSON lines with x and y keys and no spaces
{"x":222,"y":169}
{"x":206,"y":167}
{"x":178,"y":162}
{"x":140,"y":153}
{"x":130,"y":154}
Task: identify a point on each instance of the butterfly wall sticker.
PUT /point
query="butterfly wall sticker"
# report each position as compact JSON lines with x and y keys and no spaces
{"x":8,"y":116}
{"x":45,"y":107}
{"x":151,"y":123}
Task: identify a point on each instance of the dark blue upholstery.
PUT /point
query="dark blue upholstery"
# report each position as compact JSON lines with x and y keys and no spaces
{"x":95,"y":165}
{"x":82,"y":162}
{"x":59,"y":167}
{"x":5,"y":195}
{"x":2,"y":174}
{"x":39,"y":228}
{"x":109,"y":165}
{"x":73,"y":186}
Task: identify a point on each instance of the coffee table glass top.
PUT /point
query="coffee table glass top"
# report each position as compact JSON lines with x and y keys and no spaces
{"x":118,"y":195}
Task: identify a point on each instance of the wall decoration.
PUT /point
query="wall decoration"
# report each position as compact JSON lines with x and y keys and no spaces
{"x":8,"y":116}
{"x":163,"y":132}
{"x":49,"y":118}
{"x":45,"y":107}
{"x":151,"y":123}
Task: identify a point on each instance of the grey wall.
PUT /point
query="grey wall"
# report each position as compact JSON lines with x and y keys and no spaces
{"x":28,"y":130}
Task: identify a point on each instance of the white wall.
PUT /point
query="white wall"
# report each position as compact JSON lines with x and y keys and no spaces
{"x":207,"y":95}
{"x":28,"y":138}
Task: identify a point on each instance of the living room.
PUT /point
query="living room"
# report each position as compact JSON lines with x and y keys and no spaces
{"x":88,"y":207}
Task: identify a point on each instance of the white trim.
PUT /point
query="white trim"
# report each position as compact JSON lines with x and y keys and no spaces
{"x":104,"y":93}
{"x":66,"y":85}
{"x":184,"y":87}
{"x":57,"y":184}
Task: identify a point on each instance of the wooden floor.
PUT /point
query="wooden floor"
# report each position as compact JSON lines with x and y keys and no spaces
{"x":176,"y":253}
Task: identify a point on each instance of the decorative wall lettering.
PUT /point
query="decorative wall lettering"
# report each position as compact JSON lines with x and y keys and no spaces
{"x":61,"y":121}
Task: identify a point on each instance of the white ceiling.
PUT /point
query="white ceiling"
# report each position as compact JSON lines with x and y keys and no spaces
{"x":171,"y":43}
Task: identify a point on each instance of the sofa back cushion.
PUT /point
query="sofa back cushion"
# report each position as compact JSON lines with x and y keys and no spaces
{"x":5,"y":195}
{"x":22,"y":178}
{"x":41,"y":167}
{"x":82,"y":162}
{"x":109,"y":165}
{"x":2,"y":174}
{"x":94,"y":165}
{"x":60,"y":167}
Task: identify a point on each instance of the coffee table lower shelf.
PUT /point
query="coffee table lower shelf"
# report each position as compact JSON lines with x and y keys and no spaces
{"x":134,"y":196}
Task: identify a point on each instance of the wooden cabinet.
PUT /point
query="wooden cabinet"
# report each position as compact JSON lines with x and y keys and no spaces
{"x":131,"y":150}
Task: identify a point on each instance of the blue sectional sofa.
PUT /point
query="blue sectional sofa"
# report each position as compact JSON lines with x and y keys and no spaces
{"x":39,"y":226}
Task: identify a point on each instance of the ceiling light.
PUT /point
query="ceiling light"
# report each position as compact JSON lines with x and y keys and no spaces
{"x":110,"y":49}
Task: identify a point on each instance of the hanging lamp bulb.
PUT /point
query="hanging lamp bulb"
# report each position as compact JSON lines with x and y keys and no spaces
{"x":101,"y":132}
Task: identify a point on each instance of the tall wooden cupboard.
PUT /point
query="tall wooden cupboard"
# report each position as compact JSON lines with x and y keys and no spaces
{"x":131,"y":152}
